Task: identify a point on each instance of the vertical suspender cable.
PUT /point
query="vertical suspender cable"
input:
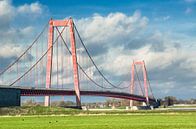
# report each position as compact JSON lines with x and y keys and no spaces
{"x":36,"y":68}
{"x":57,"y":65}
{"x":62,"y":70}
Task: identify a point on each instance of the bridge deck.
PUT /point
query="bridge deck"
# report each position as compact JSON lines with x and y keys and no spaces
{"x":55,"y":92}
{"x":25,"y":91}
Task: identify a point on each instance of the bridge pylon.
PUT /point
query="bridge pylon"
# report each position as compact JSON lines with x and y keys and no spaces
{"x":62,"y":23}
{"x":132,"y":87}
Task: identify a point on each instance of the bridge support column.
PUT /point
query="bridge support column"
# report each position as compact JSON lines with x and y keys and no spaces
{"x":62,"y":23}
{"x":141,"y":63}
{"x":145,"y":83}
{"x":47,"y":101}
{"x":49,"y":61}
{"x":75,"y":65}
{"x":132,"y":83}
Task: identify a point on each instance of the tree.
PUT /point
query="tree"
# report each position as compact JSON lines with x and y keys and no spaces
{"x":170,"y":100}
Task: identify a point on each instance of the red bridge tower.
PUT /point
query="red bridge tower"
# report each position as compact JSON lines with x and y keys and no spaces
{"x":141,"y":63}
{"x":62,"y":23}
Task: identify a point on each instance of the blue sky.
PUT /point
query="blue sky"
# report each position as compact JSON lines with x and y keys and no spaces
{"x":150,"y":8}
{"x":161,"y":32}
{"x":153,"y":9}
{"x":165,"y":15}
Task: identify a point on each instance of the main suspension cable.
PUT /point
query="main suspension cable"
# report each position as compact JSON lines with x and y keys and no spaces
{"x":149,"y":82}
{"x":139,"y":81}
{"x":10,"y":65}
{"x":80,"y":65}
{"x":36,"y":62}
{"x":115,"y":86}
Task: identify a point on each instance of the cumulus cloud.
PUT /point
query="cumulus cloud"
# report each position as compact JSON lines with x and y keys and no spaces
{"x":14,"y":36}
{"x":124,"y":38}
{"x":6,"y":14}
{"x":101,"y":31}
{"x":109,"y":27}
{"x":5,"y":8}
{"x":9,"y":50}
{"x":11,"y":35}
{"x":35,"y":8}
{"x":8,"y":53}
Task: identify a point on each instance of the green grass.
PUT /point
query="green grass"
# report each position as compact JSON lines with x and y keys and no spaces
{"x":171,"y":120}
{"x":182,"y":107}
{"x":39,"y":110}
{"x":61,"y":118}
{"x":36,"y":110}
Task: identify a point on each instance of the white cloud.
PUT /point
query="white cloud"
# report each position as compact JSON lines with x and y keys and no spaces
{"x":11,"y":35}
{"x":169,"y":62}
{"x":27,"y":30}
{"x":10,"y":50}
{"x":33,"y":8}
{"x":109,"y":30}
{"x":6,"y":14}
{"x":6,"y":8}
{"x":113,"y":29}
{"x":106,"y":30}
{"x":102,"y":29}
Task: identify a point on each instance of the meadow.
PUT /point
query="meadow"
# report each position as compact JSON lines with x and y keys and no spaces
{"x":103,"y":120}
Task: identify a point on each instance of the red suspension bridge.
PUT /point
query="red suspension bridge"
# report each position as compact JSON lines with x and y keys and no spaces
{"x":58,"y":63}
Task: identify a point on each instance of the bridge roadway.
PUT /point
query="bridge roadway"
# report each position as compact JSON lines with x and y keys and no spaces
{"x":27,"y":91}
{"x":60,"y":92}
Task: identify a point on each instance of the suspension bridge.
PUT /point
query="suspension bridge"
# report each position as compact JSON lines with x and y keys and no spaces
{"x":58,"y":63}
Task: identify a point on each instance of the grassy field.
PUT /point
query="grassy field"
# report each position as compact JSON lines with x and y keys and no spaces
{"x":167,"y":120}
{"x":39,"y":110}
